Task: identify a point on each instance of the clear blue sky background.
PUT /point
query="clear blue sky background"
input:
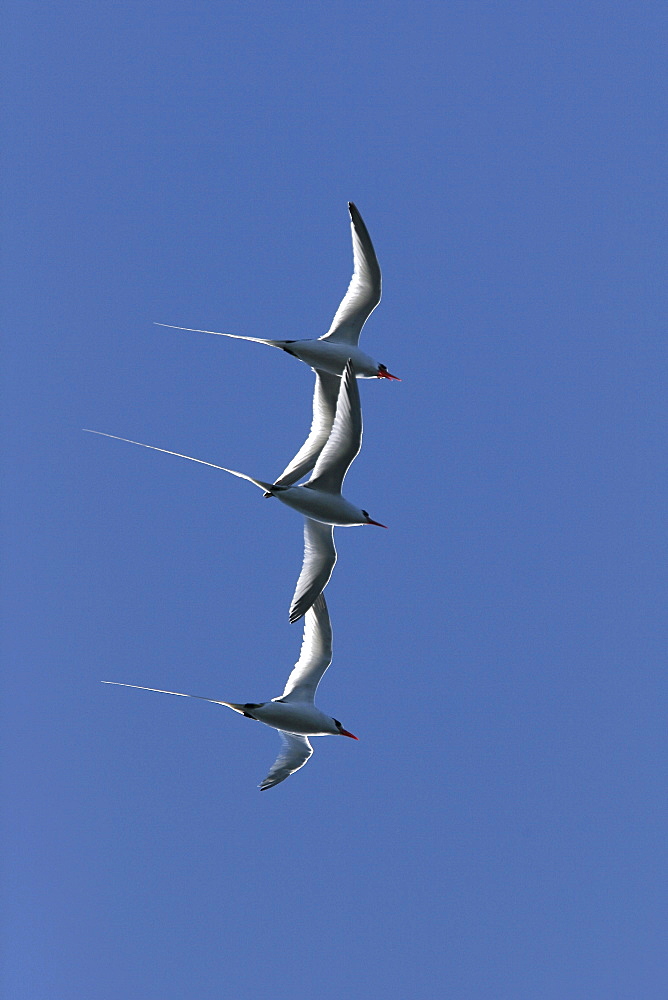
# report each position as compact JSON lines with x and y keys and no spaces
{"x":499,"y":831}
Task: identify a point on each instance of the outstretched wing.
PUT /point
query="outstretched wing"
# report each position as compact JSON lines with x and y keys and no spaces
{"x":345,"y":439}
{"x":317,"y":566}
{"x":324,"y":410}
{"x":364,"y":290}
{"x":295,"y":751}
{"x":315,"y":655}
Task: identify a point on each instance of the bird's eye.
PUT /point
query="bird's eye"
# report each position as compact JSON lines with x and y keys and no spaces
{"x":383,"y":368}
{"x":366,"y":513}
{"x":336,"y":722}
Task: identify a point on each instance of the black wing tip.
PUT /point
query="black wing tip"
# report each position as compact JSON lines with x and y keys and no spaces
{"x":317,"y":606}
{"x":319,"y":603}
{"x":299,"y":609}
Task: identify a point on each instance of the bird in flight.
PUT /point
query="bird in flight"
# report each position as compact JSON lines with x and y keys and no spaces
{"x":319,"y":500}
{"x":330,"y":352}
{"x":293,"y":714}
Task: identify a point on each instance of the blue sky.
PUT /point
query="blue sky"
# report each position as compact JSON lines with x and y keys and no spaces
{"x":499,"y":830}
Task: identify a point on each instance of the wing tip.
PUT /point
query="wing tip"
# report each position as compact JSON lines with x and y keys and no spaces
{"x":298,"y":610}
{"x":319,"y":603}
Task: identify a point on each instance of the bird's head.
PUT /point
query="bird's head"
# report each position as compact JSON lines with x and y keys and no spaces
{"x":370,"y":520}
{"x":342,"y":731}
{"x":383,"y":373}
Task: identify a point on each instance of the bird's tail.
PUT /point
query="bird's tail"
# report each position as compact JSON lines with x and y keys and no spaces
{"x":218,"y":333}
{"x":180,"y":694}
{"x":242,"y":475}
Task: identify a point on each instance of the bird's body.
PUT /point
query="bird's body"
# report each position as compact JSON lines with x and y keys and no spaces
{"x":323,"y":355}
{"x":301,"y":718}
{"x":328,"y":508}
{"x":320,"y":499}
{"x":331,"y":356}
{"x":330,"y":353}
{"x":293,"y":714}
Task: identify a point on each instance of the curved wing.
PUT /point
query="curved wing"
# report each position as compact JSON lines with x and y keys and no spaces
{"x":324,"y":410}
{"x":364,"y":290}
{"x":317,"y":566}
{"x":315,"y":655}
{"x":295,"y":751}
{"x":345,"y":439}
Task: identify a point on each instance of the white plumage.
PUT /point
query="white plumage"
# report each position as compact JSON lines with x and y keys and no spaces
{"x":330,"y":352}
{"x":293,"y":714}
{"x":320,"y":499}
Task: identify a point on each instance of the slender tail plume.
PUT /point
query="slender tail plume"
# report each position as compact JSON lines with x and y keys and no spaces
{"x":242,"y":475}
{"x":219,"y":333}
{"x":180,"y":694}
